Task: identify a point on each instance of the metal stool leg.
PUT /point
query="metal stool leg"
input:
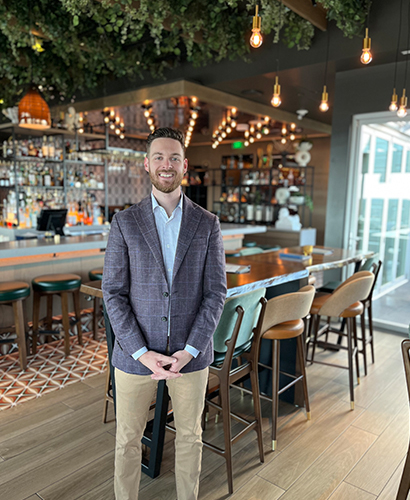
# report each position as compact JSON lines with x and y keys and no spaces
{"x":275,"y":389}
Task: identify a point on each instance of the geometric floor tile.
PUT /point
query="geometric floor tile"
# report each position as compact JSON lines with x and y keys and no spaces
{"x":49,"y":370}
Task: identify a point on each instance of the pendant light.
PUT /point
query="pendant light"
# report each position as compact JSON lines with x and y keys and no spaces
{"x":276,"y":99}
{"x":34,"y":111}
{"x":393,"y":104}
{"x":256,"y":37}
{"x":402,"y":111}
{"x":366,"y":56}
{"x":324,"y":103}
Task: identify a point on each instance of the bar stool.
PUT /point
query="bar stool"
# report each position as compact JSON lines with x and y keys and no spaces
{"x":237,"y":337}
{"x":344,"y":302}
{"x":12,"y":293}
{"x":57,"y":284}
{"x":96,"y":275}
{"x":283,"y":319}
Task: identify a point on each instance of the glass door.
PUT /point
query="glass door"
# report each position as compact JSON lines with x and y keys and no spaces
{"x":380,"y":211}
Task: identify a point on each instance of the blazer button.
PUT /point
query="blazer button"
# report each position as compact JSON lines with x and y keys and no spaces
{"x":165,"y":294}
{"x":164,"y":318}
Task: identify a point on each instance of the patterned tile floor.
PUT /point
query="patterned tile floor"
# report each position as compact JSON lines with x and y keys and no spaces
{"x":49,"y":370}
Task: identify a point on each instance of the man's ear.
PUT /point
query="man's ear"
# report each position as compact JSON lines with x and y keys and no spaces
{"x":146,"y":164}
{"x":185,"y":165}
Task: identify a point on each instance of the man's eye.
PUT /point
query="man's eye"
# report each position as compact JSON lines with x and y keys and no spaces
{"x":158,"y":158}
{"x":175,"y":159}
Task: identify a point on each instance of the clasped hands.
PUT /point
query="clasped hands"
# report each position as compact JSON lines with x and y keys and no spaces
{"x":165,"y":367}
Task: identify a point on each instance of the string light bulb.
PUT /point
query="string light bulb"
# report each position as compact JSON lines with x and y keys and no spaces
{"x":276,"y":100}
{"x":402,"y":111}
{"x":233,"y":124}
{"x":366,"y":56}
{"x":324,"y":104}
{"x":283,"y":140}
{"x":246,"y":144}
{"x":251,"y":139}
{"x":284,"y":130}
{"x":393,"y":105}
{"x":256,"y":37}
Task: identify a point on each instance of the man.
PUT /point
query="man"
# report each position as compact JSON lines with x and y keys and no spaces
{"x":164,"y":288}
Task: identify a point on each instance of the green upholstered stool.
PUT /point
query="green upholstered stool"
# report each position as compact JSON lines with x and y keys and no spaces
{"x":250,"y":251}
{"x":13,"y":293}
{"x":237,"y":336}
{"x":56,"y":284}
{"x":95,"y":275}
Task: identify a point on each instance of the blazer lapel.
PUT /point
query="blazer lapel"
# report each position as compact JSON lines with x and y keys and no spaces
{"x":189,"y":224}
{"x":145,"y":220}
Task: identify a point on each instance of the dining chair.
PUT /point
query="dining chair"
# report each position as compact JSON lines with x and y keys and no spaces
{"x":237,"y":337}
{"x":404,"y":486}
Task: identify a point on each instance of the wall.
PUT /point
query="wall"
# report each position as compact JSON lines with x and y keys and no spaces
{"x":205,"y":156}
{"x":364,"y":90}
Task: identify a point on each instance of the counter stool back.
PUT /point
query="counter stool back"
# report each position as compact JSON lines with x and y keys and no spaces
{"x":283,"y":319}
{"x":404,"y":486}
{"x":250,"y":251}
{"x":61,"y":285}
{"x":13,"y":293}
{"x":238,"y":337}
{"x":96,"y":275}
{"x":344,"y":302}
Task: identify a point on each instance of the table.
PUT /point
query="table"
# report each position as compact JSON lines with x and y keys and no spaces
{"x":267,"y":270}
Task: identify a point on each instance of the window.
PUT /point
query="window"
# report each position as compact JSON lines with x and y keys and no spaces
{"x":397,"y":157}
{"x":365,"y":154}
{"x":380,"y":158}
{"x":408,"y":162}
{"x":376,"y":217}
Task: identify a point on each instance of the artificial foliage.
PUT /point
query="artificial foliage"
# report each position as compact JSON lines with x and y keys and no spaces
{"x":83,"y":44}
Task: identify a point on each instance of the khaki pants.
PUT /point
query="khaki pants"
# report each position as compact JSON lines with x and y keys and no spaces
{"x":134,"y":394}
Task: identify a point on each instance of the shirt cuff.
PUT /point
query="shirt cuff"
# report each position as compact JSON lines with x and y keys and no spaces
{"x":191,"y":350}
{"x":139,"y":353}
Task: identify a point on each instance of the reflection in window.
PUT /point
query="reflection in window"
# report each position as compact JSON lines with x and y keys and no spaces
{"x":408,"y":162}
{"x":403,"y":238}
{"x":397,"y":157}
{"x":360,"y":223}
{"x":365,"y":154}
{"x":376,"y":216}
{"x":380,"y":158}
{"x":388,"y":260}
{"x":392,"y":215}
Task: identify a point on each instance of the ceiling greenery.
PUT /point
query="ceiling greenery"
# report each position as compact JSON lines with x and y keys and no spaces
{"x":73,"y":46}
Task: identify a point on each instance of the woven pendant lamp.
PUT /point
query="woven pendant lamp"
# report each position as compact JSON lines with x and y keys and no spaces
{"x":34,"y":111}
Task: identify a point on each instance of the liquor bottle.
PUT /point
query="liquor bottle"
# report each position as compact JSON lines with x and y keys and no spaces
{"x":44,"y":147}
{"x":51,"y":148}
{"x":4,"y":149}
{"x":31,"y":149}
{"x":47,"y":177}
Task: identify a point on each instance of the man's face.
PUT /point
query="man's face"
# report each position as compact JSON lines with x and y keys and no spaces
{"x":166,"y":164}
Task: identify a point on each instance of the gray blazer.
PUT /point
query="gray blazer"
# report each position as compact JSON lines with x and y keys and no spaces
{"x":137,"y":295}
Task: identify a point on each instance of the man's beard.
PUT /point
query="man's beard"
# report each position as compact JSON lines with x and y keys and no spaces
{"x":169,"y":188}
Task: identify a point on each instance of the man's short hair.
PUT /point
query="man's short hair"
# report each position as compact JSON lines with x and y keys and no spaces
{"x":167,"y":133}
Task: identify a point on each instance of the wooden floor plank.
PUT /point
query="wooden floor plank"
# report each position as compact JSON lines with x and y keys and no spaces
{"x":346,"y":490}
{"x":23,"y":442}
{"x":50,"y":450}
{"x":258,"y":488}
{"x":30,"y":422}
{"x":96,"y":380}
{"x":297,"y":458}
{"x":325,"y":475}
{"x":104,"y":491}
{"x":73,"y":486}
{"x":383,"y":409}
{"x":392,"y":486}
{"x":64,"y":465}
{"x":379,"y":463}
{"x":81,"y":400}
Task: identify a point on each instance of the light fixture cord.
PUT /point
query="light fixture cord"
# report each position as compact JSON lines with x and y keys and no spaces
{"x":408,"y":41}
{"x":398,"y":46}
{"x":327,"y":55}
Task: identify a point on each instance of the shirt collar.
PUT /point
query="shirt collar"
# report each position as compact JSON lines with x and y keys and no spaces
{"x":155,"y":203}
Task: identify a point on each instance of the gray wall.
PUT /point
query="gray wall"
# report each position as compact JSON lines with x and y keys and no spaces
{"x":365,"y":90}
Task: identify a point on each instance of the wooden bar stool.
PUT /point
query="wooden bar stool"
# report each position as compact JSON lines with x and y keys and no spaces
{"x":12,"y":293}
{"x":237,"y":337}
{"x":57,"y":284}
{"x":96,"y":275}
{"x":344,"y":302}
{"x":283,"y":319}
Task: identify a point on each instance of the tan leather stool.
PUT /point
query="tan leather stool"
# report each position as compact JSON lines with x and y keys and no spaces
{"x":12,"y":293}
{"x":283,"y":320}
{"x":344,"y":302}
{"x":96,"y":275}
{"x":57,"y":284}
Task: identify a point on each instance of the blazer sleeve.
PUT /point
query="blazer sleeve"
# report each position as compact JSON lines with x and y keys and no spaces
{"x":116,"y":289}
{"x":214,"y":292}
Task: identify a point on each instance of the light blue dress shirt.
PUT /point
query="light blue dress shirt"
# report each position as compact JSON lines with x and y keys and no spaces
{"x":168,"y":232}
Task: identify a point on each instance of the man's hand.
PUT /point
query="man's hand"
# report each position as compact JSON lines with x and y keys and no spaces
{"x":156,"y":362}
{"x":183,"y":358}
